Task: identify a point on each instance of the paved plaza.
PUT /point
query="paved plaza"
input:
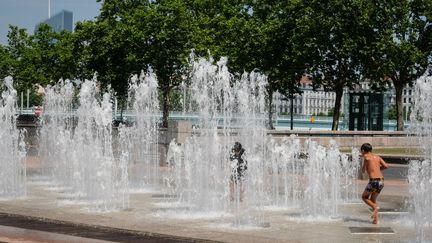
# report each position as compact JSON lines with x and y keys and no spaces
{"x":155,"y":217}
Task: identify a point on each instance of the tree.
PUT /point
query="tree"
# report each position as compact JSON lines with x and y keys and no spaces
{"x":399,"y":45}
{"x":24,"y":64}
{"x":107,"y":52}
{"x":130,"y":36}
{"x":5,"y":62}
{"x":335,"y":30}
{"x":46,"y":56}
{"x":168,"y":29}
{"x":278,"y":49}
{"x":41,"y":58}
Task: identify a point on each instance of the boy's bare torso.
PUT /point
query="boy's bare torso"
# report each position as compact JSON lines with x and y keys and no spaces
{"x":372,"y":165}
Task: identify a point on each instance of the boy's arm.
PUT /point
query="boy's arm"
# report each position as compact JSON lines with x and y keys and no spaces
{"x":383,"y":164}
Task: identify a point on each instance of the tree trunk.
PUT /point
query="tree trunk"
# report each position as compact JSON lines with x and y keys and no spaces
{"x":399,"y":106}
{"x":270,"y":109}
{"x":292,"y":111}
{"x":165,"y":105}
{"x":337,"y":106}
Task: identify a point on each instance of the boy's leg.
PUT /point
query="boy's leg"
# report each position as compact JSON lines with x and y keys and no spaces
{"x":376,"y":209}
{"x":366,"y":198}
{"x":374,"y":197}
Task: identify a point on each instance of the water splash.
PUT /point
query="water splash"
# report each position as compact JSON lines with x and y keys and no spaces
{"x":144,"y":134}
{"x":77,"y":146}
{"x":55,"y":134}
{"x":12,"y":146}
{"x":285,"y":167}
{"x":281,"y":173}
{"x":420,"y":172}
{"x":330,"y":180}
{"x":228,"y":110}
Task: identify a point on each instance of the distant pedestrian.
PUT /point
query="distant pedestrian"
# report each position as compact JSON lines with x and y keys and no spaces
{"x":373,"y":164}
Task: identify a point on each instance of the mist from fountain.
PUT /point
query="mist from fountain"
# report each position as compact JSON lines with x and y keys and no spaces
{"x":420,"y":172}
{"x":12,"y":146}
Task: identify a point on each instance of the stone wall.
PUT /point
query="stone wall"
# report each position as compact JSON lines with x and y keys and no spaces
{"x":348,"y":139}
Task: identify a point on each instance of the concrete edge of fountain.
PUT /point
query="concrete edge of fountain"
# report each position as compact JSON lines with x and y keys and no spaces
{"x":92,"y":231}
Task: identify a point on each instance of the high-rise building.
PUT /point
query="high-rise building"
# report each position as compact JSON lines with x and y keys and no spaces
{"x":60,"y":21}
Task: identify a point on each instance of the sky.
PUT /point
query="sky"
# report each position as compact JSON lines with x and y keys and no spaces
{"x":27,"y":13}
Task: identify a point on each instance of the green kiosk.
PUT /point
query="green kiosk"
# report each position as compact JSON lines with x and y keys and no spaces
{"x":366,"y":111}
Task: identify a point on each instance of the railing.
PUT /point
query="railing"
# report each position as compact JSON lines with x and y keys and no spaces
{"x":343,"y":133}
{"x":302,"y":123}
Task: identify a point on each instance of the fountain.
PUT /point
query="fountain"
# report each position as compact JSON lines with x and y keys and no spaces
{"x":310,"y":177}
{"x":144,"y":133}
{"x":330,"y":180}
{"x":55,"y":135}
{"x":284,"y":183}
{"x":77,"y":147}
{"x":420,"y":172}
{"x":228,"y":110}
{"x":12,"y":146}
{"x":281,"y":174}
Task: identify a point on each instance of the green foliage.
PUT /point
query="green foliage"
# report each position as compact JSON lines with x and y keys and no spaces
{"x":42,"y":58}
{"x":399,"y":44}
{"x":392,"y":113}
{"x":130,"y":36}
{"x":334,"y":32}
{"x":336,"y":42}
{"x":176,"y":100}
{"x":5,"y":62}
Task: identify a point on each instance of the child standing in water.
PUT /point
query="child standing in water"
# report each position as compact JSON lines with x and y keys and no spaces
{"x":238,"y":169}
{"x":373,"y":164}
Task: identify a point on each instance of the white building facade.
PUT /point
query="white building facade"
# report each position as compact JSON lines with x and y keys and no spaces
{"x":316,"y":102}
{"x":309,"y":102}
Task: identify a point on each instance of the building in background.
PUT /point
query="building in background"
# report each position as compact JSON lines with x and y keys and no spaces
{"x":60,"y":21}
{"x":309,"y":102}
{"x":407,"y":97}
{"x":321,"y":102}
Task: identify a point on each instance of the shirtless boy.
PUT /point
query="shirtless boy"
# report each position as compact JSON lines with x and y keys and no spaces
{"x":373,"y":164}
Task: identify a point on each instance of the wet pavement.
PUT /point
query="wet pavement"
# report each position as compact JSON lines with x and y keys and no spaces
{"x":45,"y":215}
{"x":13,"y":234}
{"x":152,"y":217}
{"x":20,"y":228}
